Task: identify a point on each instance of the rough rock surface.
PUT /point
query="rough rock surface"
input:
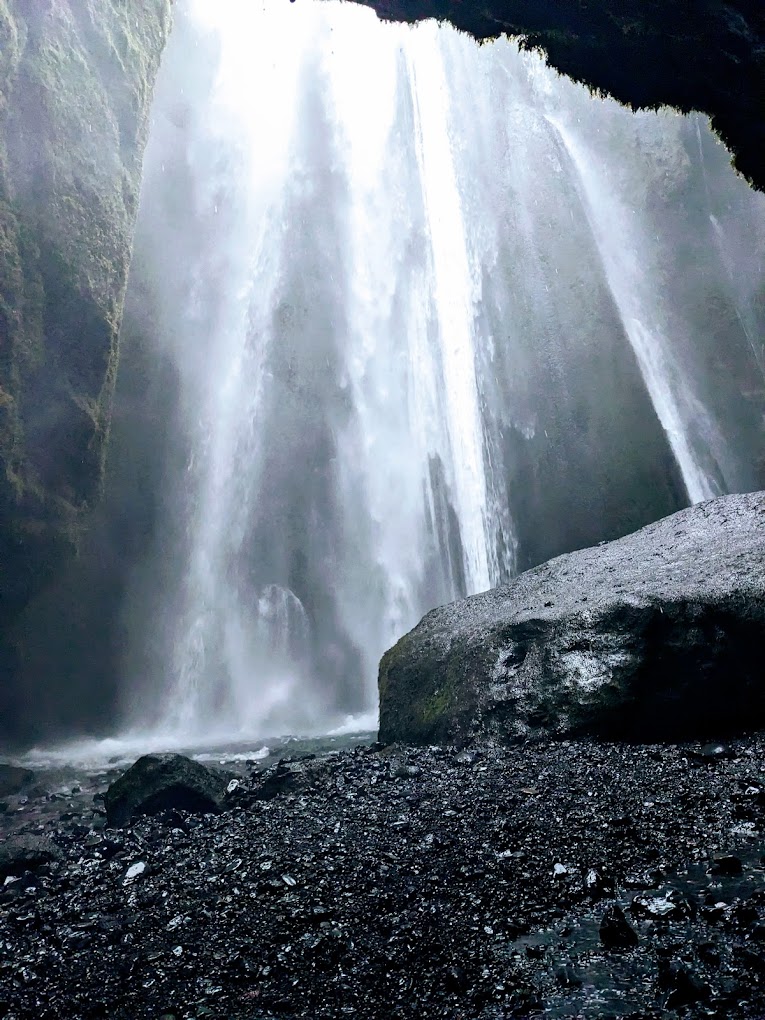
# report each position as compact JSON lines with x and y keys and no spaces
{"x":397,"y":884}
{"x":23,"y":853}
{"x":706,"y":56}
{"x":656,"y":635}
{"x":76,"y":80}
{"x":13,"y":779}
{"x":164,"y":782}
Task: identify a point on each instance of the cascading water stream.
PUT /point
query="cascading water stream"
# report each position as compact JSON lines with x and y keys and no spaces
{"x":427,"y":329}
{"x":454,"y":297}
{"x":636,"y":294}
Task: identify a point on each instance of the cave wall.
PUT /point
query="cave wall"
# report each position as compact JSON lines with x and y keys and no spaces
{"x":76,"y":80}
{"x":707,"y":55}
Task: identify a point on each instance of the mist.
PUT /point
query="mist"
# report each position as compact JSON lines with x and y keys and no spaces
{"x":405,"y":316}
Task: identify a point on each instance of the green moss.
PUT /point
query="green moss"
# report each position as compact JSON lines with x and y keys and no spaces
{"x":435,"y":707}
{"x":75,"y":87}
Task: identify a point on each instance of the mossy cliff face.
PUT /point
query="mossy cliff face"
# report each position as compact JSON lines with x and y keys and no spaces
{"x":707,"y":56}
{"x":76,"y":80}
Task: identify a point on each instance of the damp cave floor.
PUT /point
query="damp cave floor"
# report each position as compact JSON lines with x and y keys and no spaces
{"x":390,"y":882}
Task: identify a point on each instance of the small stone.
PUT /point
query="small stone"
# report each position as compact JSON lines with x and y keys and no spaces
{"x":683,"y":985}
{"x":726,"y":864}
{"x":135,"y":871}
{"x":615,"y":930}
{"x":598,"y":885}
{"x":467,"y":757}
{"x":712,"y":753}
{"x":656,"y":907}
{"x":567,"y":977}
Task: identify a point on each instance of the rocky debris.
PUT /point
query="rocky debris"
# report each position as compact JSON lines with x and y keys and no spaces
{"x":165,"y":782}
{"x":655,"y":636}
{"x":22,"y":853}
{"x":404,"y":883}
{"x":13,"y":779}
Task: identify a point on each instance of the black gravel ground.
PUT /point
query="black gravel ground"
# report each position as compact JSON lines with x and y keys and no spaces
{"x":403,"y":883}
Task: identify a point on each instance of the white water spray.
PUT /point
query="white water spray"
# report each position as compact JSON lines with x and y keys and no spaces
{"x":420,"y":306}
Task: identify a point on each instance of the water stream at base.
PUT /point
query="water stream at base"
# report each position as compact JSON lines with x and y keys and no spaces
{"x":433,"y":313}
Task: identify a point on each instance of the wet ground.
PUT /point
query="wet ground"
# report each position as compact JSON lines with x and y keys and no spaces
{"x":399,"y":883}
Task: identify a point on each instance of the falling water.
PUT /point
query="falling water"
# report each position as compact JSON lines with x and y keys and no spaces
{"x":428,"y":325}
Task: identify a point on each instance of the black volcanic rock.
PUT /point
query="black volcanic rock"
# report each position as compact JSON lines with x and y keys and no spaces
{"x":615,"y":930}
{"x":164,"y":782}
{"x":13,"y":779}
{"x":658,"y":635}
{"x":25,"y":853}
{"x":325,"y":905}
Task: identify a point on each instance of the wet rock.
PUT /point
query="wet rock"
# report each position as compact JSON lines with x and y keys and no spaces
{"x":726,"y":864}
{"x":14,"y":779}
{"x":667,"y":644}
{"x":615,"y":930}
{"x":710,"y":754}
{"x":669,"y":907}
{"x":134,"y":872}
{"x":568,"y":977}
{"x":598,"y":885}
{"x":684,"y":987}
{"x":279,"y":780}
{"x":320,"y":902}
{"x":164,"y":782}
{"x":26,"y":853}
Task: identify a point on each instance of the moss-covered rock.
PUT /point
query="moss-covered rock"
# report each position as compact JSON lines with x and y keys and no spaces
{"x":707,"y":56}
{"x":656,"y":636}
{"x":76,"y":80}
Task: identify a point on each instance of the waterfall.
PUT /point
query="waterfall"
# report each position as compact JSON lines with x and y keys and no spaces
{"x":428,"y":324}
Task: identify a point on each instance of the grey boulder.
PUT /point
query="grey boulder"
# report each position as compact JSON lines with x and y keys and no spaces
{"x":164,"y":782}
{"x":658,"y":635}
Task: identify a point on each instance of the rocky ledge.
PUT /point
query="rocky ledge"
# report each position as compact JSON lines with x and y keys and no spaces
{"x":658,"y":635}
{"x":561,"y":879}
{"x":706,"y":56}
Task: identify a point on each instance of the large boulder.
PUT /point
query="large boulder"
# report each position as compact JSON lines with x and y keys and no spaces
{"x":658,"y":635}
{"x":165,"y":782}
